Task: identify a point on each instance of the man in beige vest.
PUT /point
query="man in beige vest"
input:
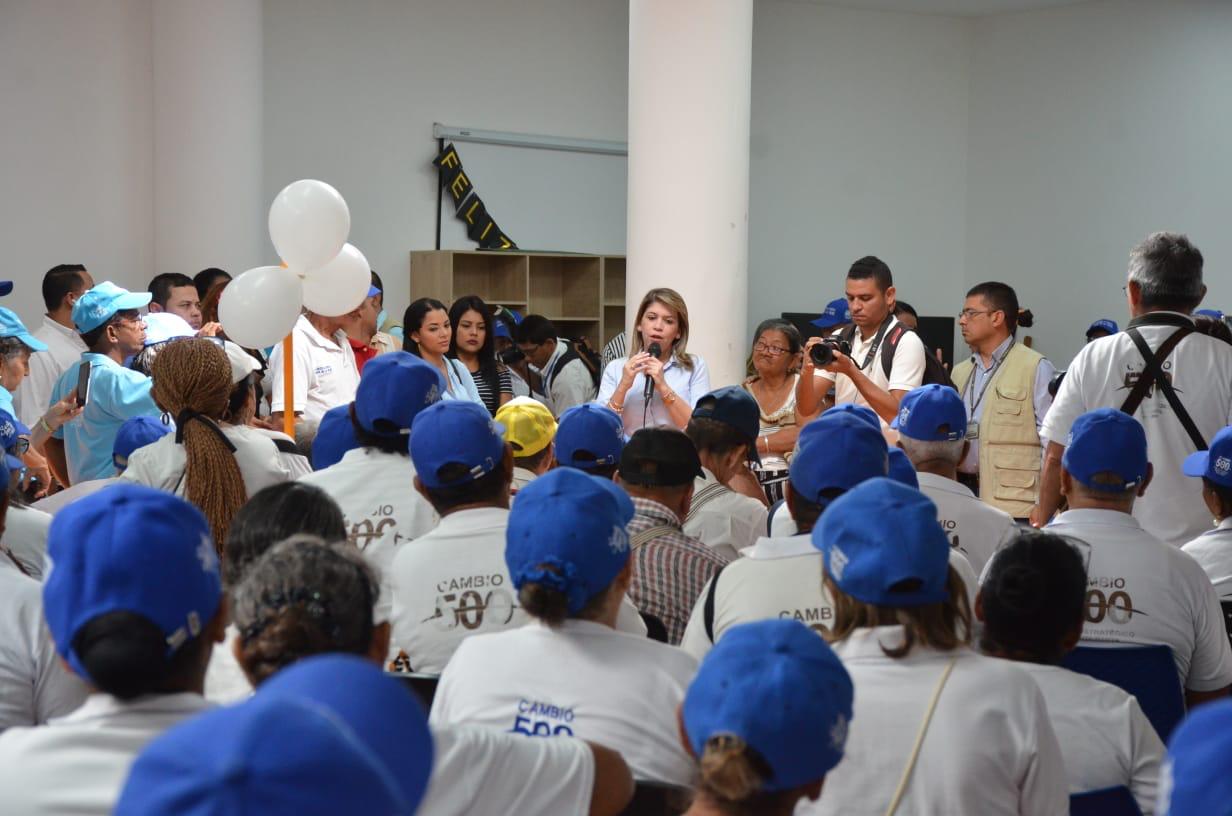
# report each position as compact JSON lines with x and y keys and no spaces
{"x":1005,"y":388}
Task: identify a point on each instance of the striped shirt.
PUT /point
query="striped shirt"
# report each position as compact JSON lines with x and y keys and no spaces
{"x":669,"y":571}
{"x":491,"y":400}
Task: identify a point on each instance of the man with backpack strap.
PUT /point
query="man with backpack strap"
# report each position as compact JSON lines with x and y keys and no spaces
{"x":569,"y":377}
{"x":859,"y":376}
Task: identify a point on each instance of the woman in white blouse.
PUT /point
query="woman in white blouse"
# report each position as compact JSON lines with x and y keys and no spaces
{"x":428,"y":333}
{"x":680,"y":379}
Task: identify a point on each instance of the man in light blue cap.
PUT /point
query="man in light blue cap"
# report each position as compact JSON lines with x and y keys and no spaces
{"x":16,"y":346}
{"x":112,"y":328}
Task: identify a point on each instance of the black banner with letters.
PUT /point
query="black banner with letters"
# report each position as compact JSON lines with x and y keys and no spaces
{"x":467,"y":205}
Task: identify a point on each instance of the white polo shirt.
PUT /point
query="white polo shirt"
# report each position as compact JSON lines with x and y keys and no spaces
{"x":906,"y":373}
{"x":975,"y":529}
{"x":64,"y":349}
{"x":324,"y":371}
{"x":478,"y":771}
{"x":722,"y":519}
{"x":1213,"y":552}
{"x":1105,"y":738}
{"x":25,"y":535}
{"x":1201,"y":369}
{"x":989,"y":751}
{"x":1143,"y":591}
{"x":34,"y":685}
{"x":78,"y":764}
{"x":583,"y":679}
{"x":383,"y":510}
{"x":161,"y":463}
{"x":452,"y":584}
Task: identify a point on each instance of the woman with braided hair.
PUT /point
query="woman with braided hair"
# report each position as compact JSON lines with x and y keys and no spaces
{"x":214,"y":464}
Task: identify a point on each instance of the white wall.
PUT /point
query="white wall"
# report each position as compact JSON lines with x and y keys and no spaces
{"x":1092,"y":126}
{"x":76,"y":142}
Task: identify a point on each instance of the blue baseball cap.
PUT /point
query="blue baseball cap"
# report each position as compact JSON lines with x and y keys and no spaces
{"x":583,"y":549}
{"x":1106,"y":441}
{"x":161,"y":327}
{"x":836,"y":453}
{"x":11,"y":326}
{"x":836,"y":313}
{"x":136,"y":433}
{"x":373,"y":291}
{"x":732,"y":406}
{"x":335,"y":436}
{"x":901,"y":470}
{"x":455,"y":432}
{"x":387,"y":719}
{"x":931,"y":413}
{"x":861,"y":412}
{"x":11,"y":430}
{"x":393,"y":389}
{"x":1196,"y":778}
{"x":1214,"y":464}
{"x":501,"y":329}
{"x":1103,"y":324}
{"x":5,"y":287}
{"x":130,"y":548}
{"x":779,"y":687}
{"x":268,"y":754}
{"x":902,"y":560}
{"x":98,"y":305}
{"x":1215,"y":313}
{"x":588,"y":436}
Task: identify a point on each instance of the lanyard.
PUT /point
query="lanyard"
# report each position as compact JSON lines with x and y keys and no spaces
{"x":872,"y":350}
{"x":970,"y":387}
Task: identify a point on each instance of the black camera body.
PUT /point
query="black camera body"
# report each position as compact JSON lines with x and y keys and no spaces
{"x":822,"y":354}
{"x":511,"y":356}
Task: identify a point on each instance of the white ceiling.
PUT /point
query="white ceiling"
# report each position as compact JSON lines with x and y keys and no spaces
{"x":968,"y":8}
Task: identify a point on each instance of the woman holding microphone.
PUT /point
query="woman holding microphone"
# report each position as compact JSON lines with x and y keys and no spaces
{"x":659,"y":382}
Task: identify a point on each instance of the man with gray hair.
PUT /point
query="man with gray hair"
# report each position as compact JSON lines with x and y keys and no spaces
{"x":1175,"y":382}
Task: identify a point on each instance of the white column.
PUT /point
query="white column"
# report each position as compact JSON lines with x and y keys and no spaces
{"x":689,"y":77}
{"x":208,"y":203}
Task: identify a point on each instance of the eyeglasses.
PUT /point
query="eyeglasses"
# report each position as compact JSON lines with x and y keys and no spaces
{"x":773,"y":351}
{"x":967,"y":314}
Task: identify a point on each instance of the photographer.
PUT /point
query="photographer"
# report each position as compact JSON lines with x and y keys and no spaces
{"x":849,"y":361}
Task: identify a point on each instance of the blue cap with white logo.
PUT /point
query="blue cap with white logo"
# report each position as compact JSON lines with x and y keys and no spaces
{"x":1104,"y":325}
{"x":836,"y":313}
{"x":11,"y":432}
{"x":902,"y":560}
{"x":1196,"y":778}
{"x":901,"y":469}
{"x":779,"y":687}
{"x":455,"y":432}
{"x":268,"y":754}
{"x":584,"y":548}
{"x":335,"y":436}
{"x":98,"y":305}
{"x":1214,"y":464}
{"x":589,"y":436}
{"x":1108,"y":442}
{"x":135,"y":549}
{"x":11,"y":326}
{"x":836,"y":453}
{"x":393,"y":389}
{"x":1215,"y":313}
{"x":860,"y":412}
{"x":931,"y":413}
{"x":134,"y":434}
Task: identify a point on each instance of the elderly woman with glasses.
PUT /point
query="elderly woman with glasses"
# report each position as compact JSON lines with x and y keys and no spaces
{"x":774,"y":369}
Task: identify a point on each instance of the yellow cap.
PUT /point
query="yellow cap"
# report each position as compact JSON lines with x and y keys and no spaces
{"x":529,"y":425}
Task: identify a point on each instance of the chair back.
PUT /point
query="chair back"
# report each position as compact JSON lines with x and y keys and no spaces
{"x":1227,"y":617}
{"x":1147,"y":672}
{"x":1116,"y":801}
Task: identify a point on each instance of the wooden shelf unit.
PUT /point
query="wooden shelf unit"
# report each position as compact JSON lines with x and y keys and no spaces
{"x":584,"y":295}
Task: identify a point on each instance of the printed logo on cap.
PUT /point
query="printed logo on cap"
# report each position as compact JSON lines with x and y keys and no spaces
{"x":838,"y":561}
{"x":903,"y":415}
{"x":7,"y":429}
{"x":98,"y":311}
{"x":838,"y":733}
{"x":618,"y":541}
{"x":207,"y":555}
{"x":1223,"y":465}
{"x":433,"y":395}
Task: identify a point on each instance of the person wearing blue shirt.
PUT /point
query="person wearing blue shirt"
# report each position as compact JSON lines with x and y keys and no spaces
{"x":109,"y":323}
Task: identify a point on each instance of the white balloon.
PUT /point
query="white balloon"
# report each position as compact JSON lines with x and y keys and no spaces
{"x":260,"y":307}
{"x":308,"y":223}
{"x":339,"y":286}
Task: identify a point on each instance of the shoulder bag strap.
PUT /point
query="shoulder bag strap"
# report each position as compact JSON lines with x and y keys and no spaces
{"x":648,"y":535}
{"x":919,"y":739}
{"x":1153,"y":374}
{"x":703,"y":497}
{"x":708,"y":608}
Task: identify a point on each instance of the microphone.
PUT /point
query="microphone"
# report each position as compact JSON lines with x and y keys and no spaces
{"x":654,"y":350}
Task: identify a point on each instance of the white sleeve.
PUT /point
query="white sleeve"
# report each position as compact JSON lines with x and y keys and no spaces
{"x":1146,"y":756}
{"x":907,"y":371}
{"x":1044,"y":373}
{"x":33,"y":396}
{"x":1045,"y":789}
{"x":611,"y":379}
{"x":1210,"y":668}
{"x":699,"y":381}
{"x":695,"y":641}
{"x":1068,"y":404}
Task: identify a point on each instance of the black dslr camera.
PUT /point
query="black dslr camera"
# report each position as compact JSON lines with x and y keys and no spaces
{"x":822,"y":354}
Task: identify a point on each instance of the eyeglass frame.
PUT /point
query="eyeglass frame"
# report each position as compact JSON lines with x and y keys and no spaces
{"x":970,"y":313}
{"x":774,"y":351}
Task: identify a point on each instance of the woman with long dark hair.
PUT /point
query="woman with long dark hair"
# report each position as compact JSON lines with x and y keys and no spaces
{"x":429,"y":335}
{"x":473,"y":344}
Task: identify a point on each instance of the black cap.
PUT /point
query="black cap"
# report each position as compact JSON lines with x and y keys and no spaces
{"x":659,"y":457}
{"x":736,"y":407}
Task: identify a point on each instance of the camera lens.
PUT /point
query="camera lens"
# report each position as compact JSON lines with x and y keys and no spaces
{"x":822,"y":354}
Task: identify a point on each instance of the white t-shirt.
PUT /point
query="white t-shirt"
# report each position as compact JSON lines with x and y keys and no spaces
{"x":724,"y":520}
{"x":382,"y":508}
{"x":1105,"y":739}
{"x":975,"y":529}
{"x":989,"y":750}
{"x":34,"y":685}
{"x":324,"y":371}
{"x":906,"y":373}
{"x":1213,"y":552}
{"x":1201,"y":370}
{"x":583,"y":679}
{"x":58,"y":501}
{"x":1143,"y":591}
{"x":25,"y":535}
{"x":77,"y":764}
{"x":477,"y":771}
{"x":452,"y":584}
{"x":64,"y":349}
{"x":161,"y":463}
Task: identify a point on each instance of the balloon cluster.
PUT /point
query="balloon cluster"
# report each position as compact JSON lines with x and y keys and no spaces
{"x":308,"y":223}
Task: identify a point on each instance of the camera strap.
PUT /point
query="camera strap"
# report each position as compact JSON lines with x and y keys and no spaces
{"x":872,"y":349}
{"x":1153,"y":375}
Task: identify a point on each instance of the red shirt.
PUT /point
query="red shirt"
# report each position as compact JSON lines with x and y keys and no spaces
{"x":363,"y":353}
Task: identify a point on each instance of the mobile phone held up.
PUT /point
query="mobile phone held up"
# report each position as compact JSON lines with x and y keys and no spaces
{"x":83,"y":383}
